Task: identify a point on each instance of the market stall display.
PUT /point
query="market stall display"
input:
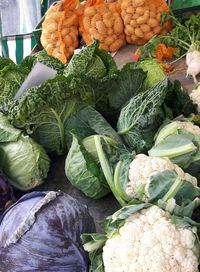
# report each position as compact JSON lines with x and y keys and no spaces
{"x":120,"y":134}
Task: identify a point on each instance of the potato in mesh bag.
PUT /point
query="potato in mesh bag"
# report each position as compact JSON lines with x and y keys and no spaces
{"x":102,"y":21}
{"x":142,"y":19}
{"x":60,"y":29}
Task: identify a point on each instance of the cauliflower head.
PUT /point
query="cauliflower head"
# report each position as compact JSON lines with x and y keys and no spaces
{"x":195,"y":97}
{"x":143,"y":167}
{"x":188,"y":126}
{"x":149,"y":242}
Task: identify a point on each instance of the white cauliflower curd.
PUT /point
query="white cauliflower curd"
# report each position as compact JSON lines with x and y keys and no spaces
{"x":149,"y":242}
{"x":195,"y":96}
{"x":189,"y":127}
{"x":143,"y":167}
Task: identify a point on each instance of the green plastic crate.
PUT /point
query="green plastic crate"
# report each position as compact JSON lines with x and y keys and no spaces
{"x":184,"y":8}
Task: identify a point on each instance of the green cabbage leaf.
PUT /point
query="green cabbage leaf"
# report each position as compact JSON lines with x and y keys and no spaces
{"x":23,"y":160}
{"x":43,"y":111}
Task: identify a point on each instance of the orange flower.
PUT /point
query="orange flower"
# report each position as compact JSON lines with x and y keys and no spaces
{"x":163,"y":52}
{"x":167,"y":67}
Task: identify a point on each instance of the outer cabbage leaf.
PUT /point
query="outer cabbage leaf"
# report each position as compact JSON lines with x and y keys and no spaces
{"x":83,"y":170}
{"x":5,"y":62}
{"x":44,"y":58}
{"x":140,"y":119}
{"x":21,"y":159}
{"x":43,"y":111}
{"x":88,"y":121}
{"x":7,"y":132}
{"x":179,"y":100}
{"x":24,"y":162}
{"x":11,"y":78}
{"x":112,"y":87}
{"x":155,"y":72}
{"x":91,"y":62}
{"x":127,"y":84}
{"x":41,"y":232}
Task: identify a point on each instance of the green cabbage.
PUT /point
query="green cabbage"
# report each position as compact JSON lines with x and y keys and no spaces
{"x":140,"y":119}
{"x":24,"y":161}
{"x":43,"y":111}
{"x":155,"y":72}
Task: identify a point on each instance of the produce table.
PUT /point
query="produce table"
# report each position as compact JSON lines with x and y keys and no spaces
{"x":57,"y":180}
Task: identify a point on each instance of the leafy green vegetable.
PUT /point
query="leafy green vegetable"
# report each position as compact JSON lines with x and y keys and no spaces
{"x":82,"y":166}
{"x":185,"y":35}
{"x":155,"y":72}
{"x":112,"y":87}
{"x":44,"y":58}
{"x":127,"y":84}
{"x":179,"y":100}
{"x":11,"y":78}
{"x":21,"y":159}
{"x":140,"y":119}
{"x":86,"y":122}
{"x":93,"y":243}
{"x":91,"y":62}
{"x":177,"y":196}
{"x":43,"y":111}
{"x":5,"y":62}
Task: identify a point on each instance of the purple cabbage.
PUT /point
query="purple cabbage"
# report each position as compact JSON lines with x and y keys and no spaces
{"x":41,"y":232}
{"x":6,"y":193}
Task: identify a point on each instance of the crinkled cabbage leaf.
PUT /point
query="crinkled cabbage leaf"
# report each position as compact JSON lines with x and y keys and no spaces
{"x":43,"y":111}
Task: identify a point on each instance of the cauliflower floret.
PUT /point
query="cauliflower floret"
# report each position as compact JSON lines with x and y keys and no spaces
{"x":149,"y":242}
{"x":143,"y":167}
{"x":195,"y":96}
{"x":188,"y":126}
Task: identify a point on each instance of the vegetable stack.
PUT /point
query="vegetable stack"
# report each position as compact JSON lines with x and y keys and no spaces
{"x":142,"y":19}
{"x":60,"y":30}
{"x":102,"y":21}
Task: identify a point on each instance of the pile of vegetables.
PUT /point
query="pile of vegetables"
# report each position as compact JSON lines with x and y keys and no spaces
{"x":113,"y":24}
{"x":131,"y":132}
{"x":102,"y":21}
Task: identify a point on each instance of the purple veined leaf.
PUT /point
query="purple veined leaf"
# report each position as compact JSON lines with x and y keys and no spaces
{"x":41,"y":232}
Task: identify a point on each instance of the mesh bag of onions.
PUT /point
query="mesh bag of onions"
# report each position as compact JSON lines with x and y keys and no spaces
{"x":142,"y":19}
{"x":102,"y":21}
{"x":60,"y":29}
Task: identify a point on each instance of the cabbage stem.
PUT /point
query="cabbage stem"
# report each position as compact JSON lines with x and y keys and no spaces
{"x":106,"y":168}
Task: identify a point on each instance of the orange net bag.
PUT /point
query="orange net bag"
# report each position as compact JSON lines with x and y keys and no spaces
{"x":102,"y":21}
{"x":142,"y":19}
{"x":60,"y":29}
